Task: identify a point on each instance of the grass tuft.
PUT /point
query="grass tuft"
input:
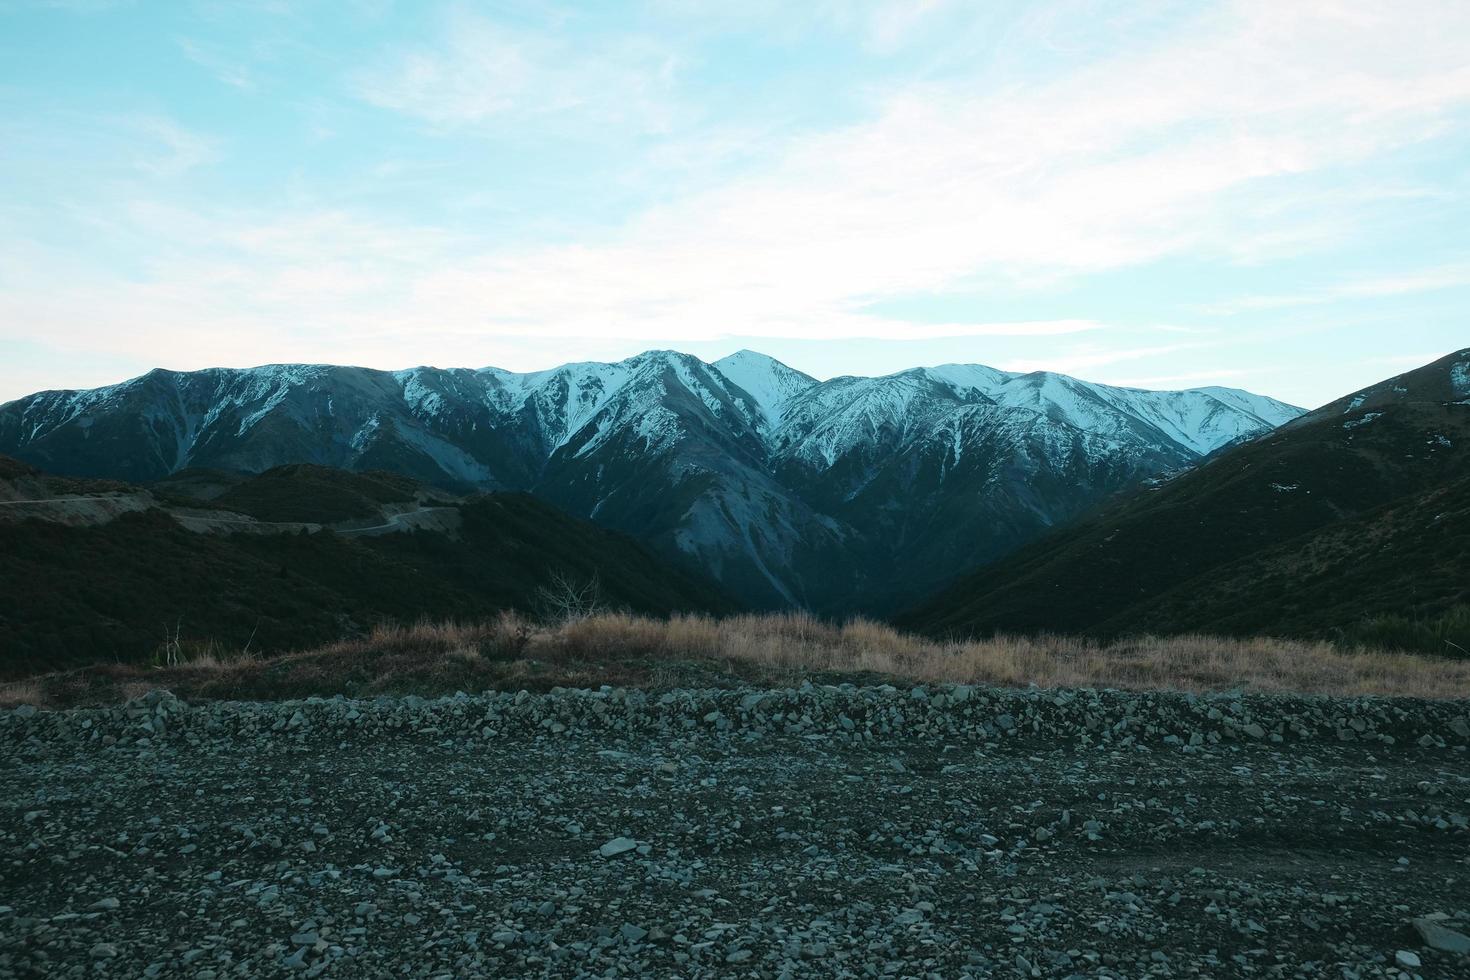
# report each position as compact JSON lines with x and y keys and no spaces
{"x":16,"y":693}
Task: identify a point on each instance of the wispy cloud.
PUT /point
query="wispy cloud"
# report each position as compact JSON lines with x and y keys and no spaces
{"x":889,"y":25}
{"x":1192,"y":379}
{"x":73,"y":6}
{"x":231,"y":70}
{"x":170,"y":149}
{"x":1085,"y":359}
{"x":1449,"y":276}
{"x":1117,"y":164}
{"x":481,"y":70}
{"x":880,"y":26}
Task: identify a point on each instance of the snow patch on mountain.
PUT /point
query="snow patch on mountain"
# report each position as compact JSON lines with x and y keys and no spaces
{"x":970,"y":377}
{"x":572,"y":396}
{"x":766,"y":380}
{"x":1460,"y":377}
{"x":417,"y":395}
{"x":363,"y":437}
{"x":1059,"y":397}
{"x":271,"y":403}
{"x":1268,"y":410}
{"x":1198,"y":419}
{"x":448,"y":457}
{"x":696,"y":382}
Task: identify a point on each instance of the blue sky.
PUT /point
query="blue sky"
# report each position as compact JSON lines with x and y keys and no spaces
{"x":1260,"y":194}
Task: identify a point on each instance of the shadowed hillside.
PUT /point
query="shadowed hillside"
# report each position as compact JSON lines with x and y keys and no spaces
{"x":114,"y":585}
{"x":1359,"y":509}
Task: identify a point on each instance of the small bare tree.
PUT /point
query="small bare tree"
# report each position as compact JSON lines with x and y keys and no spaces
{"x":172,"y":650}
{"x":565,"y":599}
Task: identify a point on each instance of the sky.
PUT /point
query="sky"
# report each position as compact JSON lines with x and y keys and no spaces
{"x":1267,"y":195}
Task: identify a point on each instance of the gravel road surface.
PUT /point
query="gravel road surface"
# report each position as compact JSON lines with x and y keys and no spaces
{"x":822,"y":831}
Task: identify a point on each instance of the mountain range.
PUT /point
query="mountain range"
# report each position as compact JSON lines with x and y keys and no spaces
{"x":850,"y":494}
{"x":1358,"y":510}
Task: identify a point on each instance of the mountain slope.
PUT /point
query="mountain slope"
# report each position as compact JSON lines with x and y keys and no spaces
{"x":1405,"y":558}
{"x":769,"y":383}
{"x":1354,"y":509}
{"x":842,"y":495}
{"x":85,"y":581}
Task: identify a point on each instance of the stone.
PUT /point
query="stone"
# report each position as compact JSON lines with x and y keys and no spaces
{"x":1439,"y":937}
{"x":616,"y":846}
{"x":1406,"y":960}
{"x":632,"y":933}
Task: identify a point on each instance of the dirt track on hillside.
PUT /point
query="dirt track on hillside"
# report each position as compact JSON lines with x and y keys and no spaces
{"x":94,"y":509}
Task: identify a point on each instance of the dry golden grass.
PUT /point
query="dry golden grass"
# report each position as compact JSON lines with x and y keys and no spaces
{"x":16,"y":693}
{"x":796,"y":643}
{"x":775,"y":649}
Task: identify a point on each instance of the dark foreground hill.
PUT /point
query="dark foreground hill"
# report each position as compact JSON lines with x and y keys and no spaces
{"x":1360,"y":509}
{"x":96,"y":572}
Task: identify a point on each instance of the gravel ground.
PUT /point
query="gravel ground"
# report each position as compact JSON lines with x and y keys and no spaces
{"x":823,"y":831}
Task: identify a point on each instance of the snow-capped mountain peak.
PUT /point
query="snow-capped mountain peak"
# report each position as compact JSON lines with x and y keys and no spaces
{"x":970,"y":377}
{"x":765,"y":379}
{"x":1268,"y":410}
